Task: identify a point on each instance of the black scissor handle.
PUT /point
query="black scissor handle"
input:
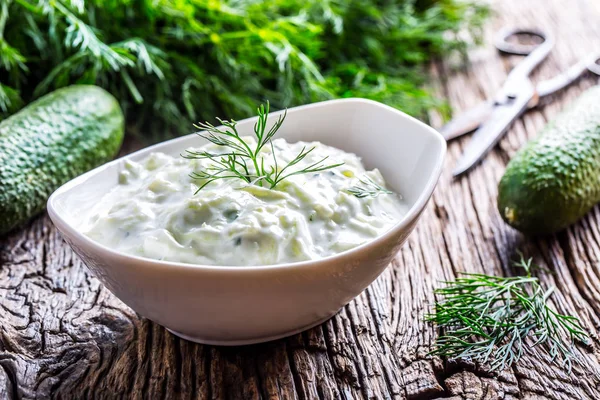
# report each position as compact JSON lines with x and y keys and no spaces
{"x":535,"y":53}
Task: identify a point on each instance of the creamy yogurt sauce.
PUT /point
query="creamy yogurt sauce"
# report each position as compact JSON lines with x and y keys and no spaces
{"x":154,"y":213}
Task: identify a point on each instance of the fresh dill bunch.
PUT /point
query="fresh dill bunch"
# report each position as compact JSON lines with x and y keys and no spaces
{"x":495,"y":319}
{"x":367,"y":188}
{"x":242,"y":160}
{"x":172,"y":62}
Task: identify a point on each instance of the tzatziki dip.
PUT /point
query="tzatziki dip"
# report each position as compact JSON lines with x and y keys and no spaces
{"x":156,"y":210}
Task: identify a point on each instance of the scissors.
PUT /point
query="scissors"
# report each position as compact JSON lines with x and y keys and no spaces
{"x":492,"y":118}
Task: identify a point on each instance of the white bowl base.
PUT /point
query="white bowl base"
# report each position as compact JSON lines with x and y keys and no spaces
{"x":245,"y":342}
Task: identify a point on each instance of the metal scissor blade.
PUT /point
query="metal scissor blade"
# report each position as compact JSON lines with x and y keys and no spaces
{"x":467,"y":121}
{"x":490,"y":132}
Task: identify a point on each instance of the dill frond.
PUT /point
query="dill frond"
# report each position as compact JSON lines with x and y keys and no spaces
{"x":173,"y":62}
{"x":495,"y":320}
{"x":367,"y":188}
{"x":244,"y":161}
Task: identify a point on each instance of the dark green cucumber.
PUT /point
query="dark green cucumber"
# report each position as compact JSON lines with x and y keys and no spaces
{"x":555,"y":180}
{"x":51,"y":141}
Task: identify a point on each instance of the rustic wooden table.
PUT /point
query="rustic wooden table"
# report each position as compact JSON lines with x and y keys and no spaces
{"x":64,"y":335}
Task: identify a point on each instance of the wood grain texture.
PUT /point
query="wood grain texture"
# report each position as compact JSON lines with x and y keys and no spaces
{"x":63,"y":335}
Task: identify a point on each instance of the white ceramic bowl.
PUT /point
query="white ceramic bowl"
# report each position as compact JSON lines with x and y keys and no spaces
{"x":242,"y":305}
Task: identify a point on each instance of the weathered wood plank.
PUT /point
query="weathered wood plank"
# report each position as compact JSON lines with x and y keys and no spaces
{"x":64,"y":336}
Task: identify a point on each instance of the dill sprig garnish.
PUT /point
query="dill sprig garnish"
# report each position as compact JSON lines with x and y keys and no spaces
{"x":242,"y":160}
{"x":367,"y":188}
{"x":495,"y":319}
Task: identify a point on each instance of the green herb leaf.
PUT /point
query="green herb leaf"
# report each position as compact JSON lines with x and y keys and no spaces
{"x":189,"y":60}
{"x":367,"y":188}
{"x":241,"y":161}
{"x":495,"y":320}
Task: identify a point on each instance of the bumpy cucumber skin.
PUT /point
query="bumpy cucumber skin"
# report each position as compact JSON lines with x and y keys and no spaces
{"x":50,"y":142}
{"x":555,"y":180}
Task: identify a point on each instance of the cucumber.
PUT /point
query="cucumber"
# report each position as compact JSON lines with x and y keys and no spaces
{"x":555,"y":180}
{"x":50,"y":142}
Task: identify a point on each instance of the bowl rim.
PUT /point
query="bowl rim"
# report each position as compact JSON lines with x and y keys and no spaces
{"x":401,"y":225}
